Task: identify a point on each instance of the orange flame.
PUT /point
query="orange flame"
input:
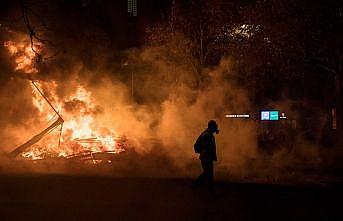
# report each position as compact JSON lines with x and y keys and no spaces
{"x":24,"y":56}
{"x":80,"y":132}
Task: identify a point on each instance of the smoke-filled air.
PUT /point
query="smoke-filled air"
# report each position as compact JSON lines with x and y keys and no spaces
{"x":68,"y":95}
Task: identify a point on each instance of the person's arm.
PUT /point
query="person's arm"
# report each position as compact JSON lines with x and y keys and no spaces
{"x":210,"y":146}
{"x":214,"y":148}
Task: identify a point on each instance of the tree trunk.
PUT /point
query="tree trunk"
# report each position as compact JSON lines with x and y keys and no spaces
{"x":339,"y":92}
{"x":201,"y":43}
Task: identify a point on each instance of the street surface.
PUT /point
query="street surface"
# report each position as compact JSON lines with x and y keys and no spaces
{"x":61,"y":197}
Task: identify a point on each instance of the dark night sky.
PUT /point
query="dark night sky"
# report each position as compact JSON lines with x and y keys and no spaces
{"x":110,"y":17}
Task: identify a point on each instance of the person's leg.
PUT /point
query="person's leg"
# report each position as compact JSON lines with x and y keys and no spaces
{"x":201,"y":177}
{"x":206,"y":165}
{"x":210,"y":175}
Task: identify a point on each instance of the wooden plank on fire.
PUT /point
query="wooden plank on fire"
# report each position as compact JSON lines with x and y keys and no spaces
{"x":36,"y":138}
{"x":87,"y":140}
{"x":39,"y":136}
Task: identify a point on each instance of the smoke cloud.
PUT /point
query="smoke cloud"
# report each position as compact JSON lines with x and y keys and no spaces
{"x":158,"y":97}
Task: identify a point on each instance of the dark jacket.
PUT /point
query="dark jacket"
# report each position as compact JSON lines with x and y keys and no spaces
{"x":209,"y":151}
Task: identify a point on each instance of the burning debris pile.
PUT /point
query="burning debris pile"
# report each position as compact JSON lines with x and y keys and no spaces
{"x":73,"y":132}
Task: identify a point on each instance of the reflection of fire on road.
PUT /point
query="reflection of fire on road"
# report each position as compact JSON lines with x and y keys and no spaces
{"x":77,"y":133}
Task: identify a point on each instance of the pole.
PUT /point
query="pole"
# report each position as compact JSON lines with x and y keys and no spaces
{"x":132,"y":87}
{"x":41,"y":93}
{"x":60,"y":117}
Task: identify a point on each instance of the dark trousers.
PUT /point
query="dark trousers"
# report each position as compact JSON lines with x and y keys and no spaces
{"x":207,"y":174}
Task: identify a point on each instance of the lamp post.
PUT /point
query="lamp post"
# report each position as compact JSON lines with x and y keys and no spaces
{"x":126,"y":64}
{"x":132,"y":85}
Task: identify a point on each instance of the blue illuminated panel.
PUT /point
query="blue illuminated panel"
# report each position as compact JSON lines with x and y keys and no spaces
{"x":273,"y":115}
{"x":264,"y":115}
{"x":270,"y":115}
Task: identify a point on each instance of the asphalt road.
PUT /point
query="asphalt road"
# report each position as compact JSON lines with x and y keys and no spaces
{"x":58,"y":197}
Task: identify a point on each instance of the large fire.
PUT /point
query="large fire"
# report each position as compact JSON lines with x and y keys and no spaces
{"x":78,"y":131}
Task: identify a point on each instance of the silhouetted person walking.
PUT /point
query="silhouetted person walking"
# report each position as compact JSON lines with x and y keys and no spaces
{"x":205,"y":145}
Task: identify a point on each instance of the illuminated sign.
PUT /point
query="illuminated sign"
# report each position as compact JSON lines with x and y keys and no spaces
{"x":269,"y":115}
{"x":274,"y":115}
{"x":283,"y":116}
{"x":264,"y":115}
{"x":237,"y":115}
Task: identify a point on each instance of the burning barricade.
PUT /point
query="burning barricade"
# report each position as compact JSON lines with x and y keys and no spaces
{"x":76,"y":139}
{"x":73,"y":131}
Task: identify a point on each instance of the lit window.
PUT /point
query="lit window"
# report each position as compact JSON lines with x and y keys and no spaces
{"x":132,"y":7}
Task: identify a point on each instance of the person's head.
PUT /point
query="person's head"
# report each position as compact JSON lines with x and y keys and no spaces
{"x":213,"y":126}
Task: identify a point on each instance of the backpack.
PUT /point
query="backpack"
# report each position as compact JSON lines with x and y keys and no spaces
{"x":198,"y":144}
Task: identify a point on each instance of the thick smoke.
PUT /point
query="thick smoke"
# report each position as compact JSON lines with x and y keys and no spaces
{"x":172,"y":100}
{"x":168,"y":107}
